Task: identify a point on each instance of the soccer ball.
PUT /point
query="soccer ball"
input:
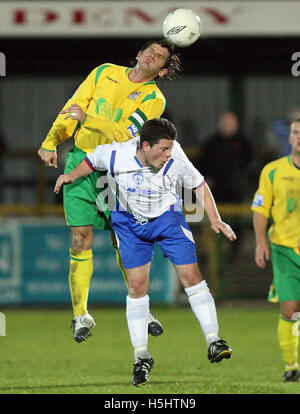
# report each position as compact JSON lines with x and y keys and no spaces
{"x":182,"y":27}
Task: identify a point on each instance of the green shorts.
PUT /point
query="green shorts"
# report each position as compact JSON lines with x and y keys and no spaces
{"x":80,"y":197}
{"x":286,"y":274}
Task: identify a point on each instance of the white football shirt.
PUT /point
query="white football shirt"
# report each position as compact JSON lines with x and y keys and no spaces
{"x":141,"y":191}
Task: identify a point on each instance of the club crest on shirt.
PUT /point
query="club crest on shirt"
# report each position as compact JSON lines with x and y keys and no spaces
{"x":138,"y":178}
{"x":134,"y":95}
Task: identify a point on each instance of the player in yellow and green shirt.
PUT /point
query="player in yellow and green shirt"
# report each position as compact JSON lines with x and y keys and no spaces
{"x":278,"y":198}
{"x":111,"y":104}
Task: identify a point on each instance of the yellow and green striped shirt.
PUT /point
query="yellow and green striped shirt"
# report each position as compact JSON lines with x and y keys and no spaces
{"x":278,"y":197}
{"x":115,"y":108}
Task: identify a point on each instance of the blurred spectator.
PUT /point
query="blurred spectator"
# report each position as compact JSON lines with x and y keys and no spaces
{"x":278,"y":136}
{"x":224,"y":160}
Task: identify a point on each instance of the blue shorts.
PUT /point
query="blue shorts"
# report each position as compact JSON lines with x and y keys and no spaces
{"x":136,"y":241}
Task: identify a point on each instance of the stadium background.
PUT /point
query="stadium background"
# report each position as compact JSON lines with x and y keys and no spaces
{"x":248,"y":73}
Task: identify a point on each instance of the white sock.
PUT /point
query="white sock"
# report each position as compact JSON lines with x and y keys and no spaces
{"x":137,"y":314}
{"x":203,"y":306}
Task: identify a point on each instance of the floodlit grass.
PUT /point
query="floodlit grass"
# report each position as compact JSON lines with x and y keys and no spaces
{"x":39,"y":356}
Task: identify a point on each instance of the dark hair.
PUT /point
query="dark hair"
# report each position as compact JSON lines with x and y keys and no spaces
{"x":295,"y":120}
{"x":155,"y":129}
{"x":172,"y":63}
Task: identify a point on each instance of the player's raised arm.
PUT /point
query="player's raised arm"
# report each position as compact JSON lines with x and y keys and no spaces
{"x":118,"y":131}
{"x":212,"y":212}
{"x":74,"y":112}
{"x":83,"y":169}
{"x":62,"y":128}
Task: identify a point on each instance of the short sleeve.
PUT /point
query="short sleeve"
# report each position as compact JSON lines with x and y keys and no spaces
{"x":99,"y":159}
{"x":189,"y":176}
{"x":263,"y":197}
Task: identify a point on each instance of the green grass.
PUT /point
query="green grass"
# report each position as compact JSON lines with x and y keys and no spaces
{"x":39,"y":356}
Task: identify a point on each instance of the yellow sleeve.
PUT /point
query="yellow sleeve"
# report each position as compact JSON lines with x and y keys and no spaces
{"x":126,"y":129}
{"x":63,"y":129}
{"x":263,"y":198}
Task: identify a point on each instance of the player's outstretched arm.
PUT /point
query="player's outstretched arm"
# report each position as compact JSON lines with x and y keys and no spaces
{"x":118,"y":131}
{"x":212,"y":212}
{"x":110,"y":130}
{"x":82,"y":170}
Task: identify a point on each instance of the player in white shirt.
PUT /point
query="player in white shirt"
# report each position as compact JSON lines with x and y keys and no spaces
{"x":145,"y":173}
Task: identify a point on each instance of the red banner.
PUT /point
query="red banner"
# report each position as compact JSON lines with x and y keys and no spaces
{"x":144,"y":18}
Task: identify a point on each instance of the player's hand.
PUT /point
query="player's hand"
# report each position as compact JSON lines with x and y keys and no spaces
{"x":219,"y":225}
{"x":49,"y":157}
{"x":74,"y":112}
{"x":62,"y":179}
{"x":262,"y":253}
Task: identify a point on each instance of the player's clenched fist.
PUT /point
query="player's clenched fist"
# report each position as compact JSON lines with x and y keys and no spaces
{"x":49,"y":157}
{"x":62,"y":179}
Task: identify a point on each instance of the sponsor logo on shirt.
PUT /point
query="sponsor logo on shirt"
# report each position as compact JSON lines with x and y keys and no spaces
{"x":258,"y":200}
{"x":293,"y":204}
{"x":107,"y":111}
{"x":132,"y":129}
{"x":141,"y":191}
{"x":134,"y":95}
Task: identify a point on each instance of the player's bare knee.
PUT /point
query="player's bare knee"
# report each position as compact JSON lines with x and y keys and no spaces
{"x":189,"y":274}
{"x":193,"y":279}
{"x":288,"y":314}
{"x":81,"y":239}
{"x":288,"y":311}
{"x":137,"y":289}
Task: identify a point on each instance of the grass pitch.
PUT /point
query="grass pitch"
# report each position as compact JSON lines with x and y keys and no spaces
{"x":39,"y":356}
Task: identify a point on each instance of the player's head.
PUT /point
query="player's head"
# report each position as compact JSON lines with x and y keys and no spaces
{"x":294,"y":137}
{"x":155,"y":129}
{"x":156,"y":141}
{"x":167,"y":60}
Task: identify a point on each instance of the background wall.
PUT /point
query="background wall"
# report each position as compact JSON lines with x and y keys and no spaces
{"x":248,"y":75}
